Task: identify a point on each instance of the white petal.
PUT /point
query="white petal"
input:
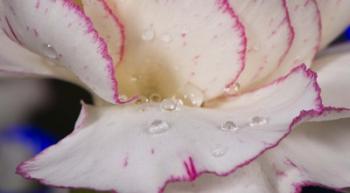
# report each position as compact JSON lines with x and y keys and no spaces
{"x":125,"y":145}
{"x":335,"y":17}
{"x":313,"y":154}
{"x":333,"y":77}
{"x":306,"y":21}
{"x":269,"y":36}
{"x":60,"y":31}
{"x":170,"y":44}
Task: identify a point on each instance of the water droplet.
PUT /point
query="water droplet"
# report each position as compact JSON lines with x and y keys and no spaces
{"x":233,"y":89}
{"x":50,"y":51}
{"x":219,"y":151}
{"x":123,"y":97}
{"x":158,"y":126}
{"x":193,"y":95}
{"x":141,"y":100}
{"x":257,"y":121}
{"x":167,"y":38}
{"x":155,"y":97}
{"x":229,"y":126}
{"x":134,"y":78}
{"x":148,"y":34}
{"x":171,"y":104}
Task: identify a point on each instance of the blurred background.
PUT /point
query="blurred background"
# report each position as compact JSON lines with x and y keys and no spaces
{"x":35,"y":114}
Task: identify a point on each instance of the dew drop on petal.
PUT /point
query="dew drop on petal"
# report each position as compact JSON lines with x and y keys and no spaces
{"x":229,"y":126}
{"x":232,"y":89}
{"x":158,"y":126}
{"x":166,"y":38}
{"x":219,"y":151}
{"x":171,"y":104}
{"x":193,"y":96}
{"x":155,"y":97}
{"x":148,"y":34}
{"x":141,"y":100}
{"x":258,"y":121}
{"x":50,"y":51}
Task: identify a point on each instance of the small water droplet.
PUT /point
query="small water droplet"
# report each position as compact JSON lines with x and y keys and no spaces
{"x":229,"y":126}
{"x":257,"y":121}
{"x":50,"y":51}
{"x":158,"y":126}
{"x":167,"y":38}
{"x":233,"y":89}
{"x":219,"y":151}
{"x":193,"y":95}
{"x":123,"y":97}
{"x":148,"y":34}
{"x":171,"y":104}
{"x":141,"y":100}
{"x":155,"y":97}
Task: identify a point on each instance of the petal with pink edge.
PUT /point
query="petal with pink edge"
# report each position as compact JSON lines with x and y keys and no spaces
{"x":306,"y":21}
{"x":313,"y":154}
{"x":333,"y":71}
{"x":108,"y":26}
{"x":269,"y":36}
{"x":60,"y":31}
{"x":172,"y":44}
{"x":123,"y":146}
{"x":335,"y":17}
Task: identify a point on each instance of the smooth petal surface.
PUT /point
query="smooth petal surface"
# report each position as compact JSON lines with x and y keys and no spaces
{"x":335,"y":17}
{"x":269,"y":36}
{"x":313,"y":154}
{"x":333,"y":71}
{"x":306,"y":21}
{"x":125,"y":145}
{"x":172,"y":44}
{"x":60,"y":31}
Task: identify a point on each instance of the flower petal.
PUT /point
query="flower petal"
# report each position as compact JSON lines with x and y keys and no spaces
{"x":315,"y":153}
{"x":60,"y":31}
{"x":333,"y":71}
{"x":18,"y":61}
{"x":179,"y":43}
{"x":333,"y":22}
{"x":306,"y":21}
{"x":125,"y":145}
{"x":269,"y":36}
{"x":108,"y":26}
{"x":290,"y":166}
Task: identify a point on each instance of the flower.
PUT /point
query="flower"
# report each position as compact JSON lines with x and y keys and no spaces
{"x":228,"y":80}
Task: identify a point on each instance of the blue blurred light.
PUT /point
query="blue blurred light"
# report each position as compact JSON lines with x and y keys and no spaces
{"x":347,"y":34}
{"x":33,"y":136}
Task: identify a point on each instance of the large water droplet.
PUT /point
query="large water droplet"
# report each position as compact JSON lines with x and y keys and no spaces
{"x":148,"y":34}
{"x":233,"y":89}
{"x":193,"y":95}
{"x":219,"y":151}
{"x":229,"y":126}
{"x":50,"y":51}
{"x":158,"y":126}
{"x":166,"y":38}
{"x":171,"y":104}
{"x":258,"y":121}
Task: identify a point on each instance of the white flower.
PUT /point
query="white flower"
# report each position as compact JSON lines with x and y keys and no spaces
{"x":239,"y":67}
